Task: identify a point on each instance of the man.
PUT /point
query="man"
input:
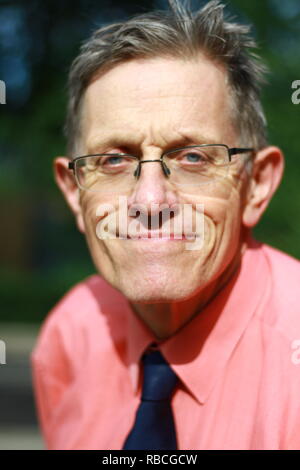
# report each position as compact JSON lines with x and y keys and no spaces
{"x":164,"y":113}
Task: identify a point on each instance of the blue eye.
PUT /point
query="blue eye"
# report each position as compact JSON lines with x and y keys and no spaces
{"x":113,"y":160}
{"x":193,"y":157}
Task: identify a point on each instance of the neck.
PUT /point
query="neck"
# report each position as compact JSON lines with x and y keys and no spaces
{"x":166,"y":319}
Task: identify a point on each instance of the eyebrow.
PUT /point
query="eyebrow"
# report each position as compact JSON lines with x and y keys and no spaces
{"x":181,"y":139}
{"x":111,"y":140}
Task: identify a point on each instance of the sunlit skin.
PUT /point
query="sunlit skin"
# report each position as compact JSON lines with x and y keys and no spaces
{"x":145,"y":107}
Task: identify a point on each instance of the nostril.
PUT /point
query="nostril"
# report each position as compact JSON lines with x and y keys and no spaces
{"x":156,"y":221}
{"x":134,"y":211}
{"x":160,"y":219}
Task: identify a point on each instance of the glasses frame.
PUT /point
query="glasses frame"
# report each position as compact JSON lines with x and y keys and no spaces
{"x":231,"y":151}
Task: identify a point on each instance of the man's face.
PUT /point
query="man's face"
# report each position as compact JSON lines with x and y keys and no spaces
{"x":145,"y":107}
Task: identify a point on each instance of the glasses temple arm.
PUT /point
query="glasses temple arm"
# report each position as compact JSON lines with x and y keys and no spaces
{"x":234,"y":151}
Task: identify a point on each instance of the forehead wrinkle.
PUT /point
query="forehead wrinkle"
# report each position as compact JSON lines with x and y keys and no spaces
{"x":170,"y":137}
{"x":153,"y":133}
{"x":114,"y":138}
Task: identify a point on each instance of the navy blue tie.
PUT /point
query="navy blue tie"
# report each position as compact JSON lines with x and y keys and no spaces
{"x":154,"y":427}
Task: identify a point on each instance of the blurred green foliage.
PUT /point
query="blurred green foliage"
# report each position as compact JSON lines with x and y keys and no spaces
{"x":42,"y":253}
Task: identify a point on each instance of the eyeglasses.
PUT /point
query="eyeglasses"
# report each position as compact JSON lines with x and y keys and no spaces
{"x":186,"y":167}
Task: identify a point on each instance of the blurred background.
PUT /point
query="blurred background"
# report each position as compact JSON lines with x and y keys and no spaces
{"x":42,"y":253}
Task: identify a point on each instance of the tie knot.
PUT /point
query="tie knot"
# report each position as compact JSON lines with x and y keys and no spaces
{"x":159,"y":378}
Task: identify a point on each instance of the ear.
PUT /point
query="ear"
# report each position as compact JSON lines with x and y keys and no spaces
{"x":65,"y":180}
{"x":267,"y":172}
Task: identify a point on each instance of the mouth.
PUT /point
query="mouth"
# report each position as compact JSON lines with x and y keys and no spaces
{"x":156,"y":235}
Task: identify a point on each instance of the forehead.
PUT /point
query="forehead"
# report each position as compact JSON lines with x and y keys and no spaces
{"x":157,"y":100}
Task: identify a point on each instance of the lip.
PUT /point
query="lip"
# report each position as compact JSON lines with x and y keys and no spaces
{"x":156,"y":236}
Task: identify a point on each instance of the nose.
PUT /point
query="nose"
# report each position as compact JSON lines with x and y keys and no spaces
{"x":152,"y":188}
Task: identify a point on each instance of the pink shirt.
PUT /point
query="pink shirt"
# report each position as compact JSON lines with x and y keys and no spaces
{"x":238,"y":362}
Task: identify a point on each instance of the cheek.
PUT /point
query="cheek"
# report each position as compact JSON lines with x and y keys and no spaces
{"x":94,"y":209}
{"x":90,"y":206}
{"x":89,"y":215}
{"x":222,"y":234}
{"x":223,"y":223}
{"x":221,"y":206}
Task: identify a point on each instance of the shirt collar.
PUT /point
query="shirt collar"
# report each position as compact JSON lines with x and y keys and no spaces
{"x":199,"y":352}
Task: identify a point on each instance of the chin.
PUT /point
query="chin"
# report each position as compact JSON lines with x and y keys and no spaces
{"x":157,"y":291}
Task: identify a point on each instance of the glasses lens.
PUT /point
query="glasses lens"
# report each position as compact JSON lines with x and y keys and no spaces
{"x":196,"y":166}
{"x":106,"y":173}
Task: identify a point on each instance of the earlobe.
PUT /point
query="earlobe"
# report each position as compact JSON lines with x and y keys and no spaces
{"x":66,"y":182}
{"x":267,"y":173}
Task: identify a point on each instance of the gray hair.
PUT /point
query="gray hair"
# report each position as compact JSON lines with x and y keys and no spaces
{"x":177,"y":33}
